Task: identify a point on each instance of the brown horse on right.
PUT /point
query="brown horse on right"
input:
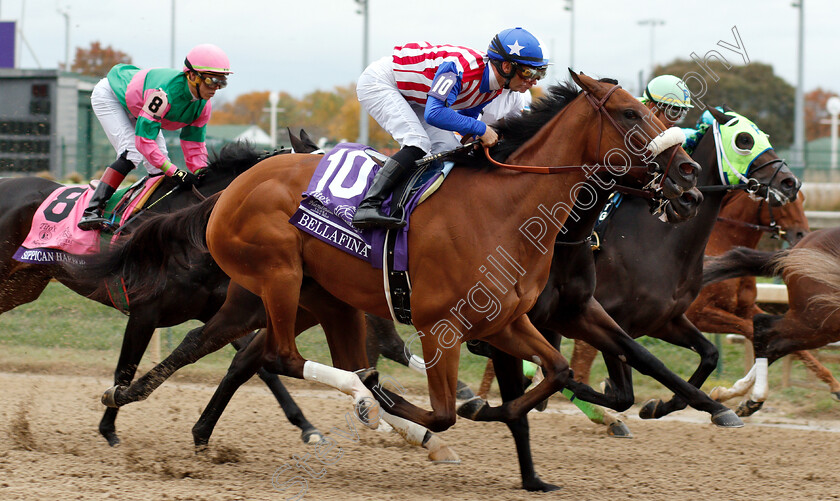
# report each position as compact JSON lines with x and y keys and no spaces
{"x":249,"y":237}
{"x":728,"y":307}
{"x":811,"y":271}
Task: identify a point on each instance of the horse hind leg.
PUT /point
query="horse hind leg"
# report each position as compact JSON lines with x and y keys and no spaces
{"x":138,"y":332}
{"x":241,"y":313}
{"x":821,"y":371}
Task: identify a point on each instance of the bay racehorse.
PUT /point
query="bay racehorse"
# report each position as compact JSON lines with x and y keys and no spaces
{"x":193,"y":292}
{"x":248,"y":235}
{"x":647,"y":275}
{"x":728,"y":307}
{"x":811,"y":271}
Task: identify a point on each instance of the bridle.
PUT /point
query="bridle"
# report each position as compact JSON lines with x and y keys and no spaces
{"x":652,"y":190}
{"x":773,"y":229}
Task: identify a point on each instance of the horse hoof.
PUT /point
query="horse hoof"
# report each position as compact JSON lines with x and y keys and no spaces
{"x":367,"y":411}
{"x":444,"y":455}
{"x":471,"y":408}
{"x":836,"y":395}
{"x":112,"y":438}
{"x":648,"y":410}
{"x":542,"y":405}
{"x":463,"y":392}
{"x":109,"y":398}
{"x":311,"y":437}
{"x":537,"y":485}
{"x":748,"y":408}
{"x":727,"y":419}
{"x":619,"y":430}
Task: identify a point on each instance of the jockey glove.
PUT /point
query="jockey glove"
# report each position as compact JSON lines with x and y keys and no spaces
{"x":185,"y":178}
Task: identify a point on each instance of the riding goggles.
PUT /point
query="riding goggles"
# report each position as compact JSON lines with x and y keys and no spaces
{"x":213,"y":82}
{"x":531,"y":72}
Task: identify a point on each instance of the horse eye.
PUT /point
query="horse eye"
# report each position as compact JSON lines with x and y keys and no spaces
{"x":630,"y":114}
{"x":745,"y":140}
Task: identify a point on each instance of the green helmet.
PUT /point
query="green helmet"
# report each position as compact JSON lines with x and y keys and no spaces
{"x":668,"y":90}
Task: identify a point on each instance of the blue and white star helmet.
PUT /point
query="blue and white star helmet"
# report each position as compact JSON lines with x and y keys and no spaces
{"x":518,"y":46}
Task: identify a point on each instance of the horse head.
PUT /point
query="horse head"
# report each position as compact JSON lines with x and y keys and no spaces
{"x":635,"y":136}
{"x":745,"y":155}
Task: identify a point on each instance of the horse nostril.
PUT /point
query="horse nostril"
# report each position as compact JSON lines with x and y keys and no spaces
{"x":689,"y":168}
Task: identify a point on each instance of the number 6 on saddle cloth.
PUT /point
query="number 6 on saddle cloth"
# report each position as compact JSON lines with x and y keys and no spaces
{"x":335,"y":191}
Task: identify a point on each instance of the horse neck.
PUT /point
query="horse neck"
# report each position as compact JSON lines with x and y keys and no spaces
{"x":727,"y":233}
{"x":568,"y":123}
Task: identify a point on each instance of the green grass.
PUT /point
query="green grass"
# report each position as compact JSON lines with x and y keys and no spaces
{"x":63,"y":331}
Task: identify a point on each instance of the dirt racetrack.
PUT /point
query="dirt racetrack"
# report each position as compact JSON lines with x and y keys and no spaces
{"x":50,"y":450}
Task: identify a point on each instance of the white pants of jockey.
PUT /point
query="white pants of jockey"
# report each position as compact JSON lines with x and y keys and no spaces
{"x":379,"y":96}
{"x":119,"y":124}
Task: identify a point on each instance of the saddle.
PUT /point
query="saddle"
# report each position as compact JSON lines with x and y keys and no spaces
{"x":336,"y":189}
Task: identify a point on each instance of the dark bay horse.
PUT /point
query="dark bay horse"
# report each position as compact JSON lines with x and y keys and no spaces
{"x":648,"y":273}
{"x":728,"y":307}
{"x":811,"y":271}
{"x":193,"y":292}
{"x":644,"y":268}
{"x":247,"y":235}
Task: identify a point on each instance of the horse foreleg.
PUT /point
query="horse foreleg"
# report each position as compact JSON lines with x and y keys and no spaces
{"x":511,"y":387}
{"x":605,"y":335}
{"x":138,"y":332}
{"x":383,"y":339}
{"x":241,"y":313}
{"x":309,"y":434}
{"x":522,"y":340}
{"x":683,"y":333}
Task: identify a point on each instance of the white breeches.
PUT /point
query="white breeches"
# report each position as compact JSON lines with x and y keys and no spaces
{"x":379,"y":96}
{"x":119,"y":125}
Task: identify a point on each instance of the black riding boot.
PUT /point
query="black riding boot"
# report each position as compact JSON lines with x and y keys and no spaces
{"x":369,"y":214}
{"x":92,"y":217}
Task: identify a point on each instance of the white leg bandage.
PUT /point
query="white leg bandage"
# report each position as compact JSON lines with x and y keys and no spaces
{"x":344,"y":381}
{"x":412,"y":432}
{"x":759,"y":393}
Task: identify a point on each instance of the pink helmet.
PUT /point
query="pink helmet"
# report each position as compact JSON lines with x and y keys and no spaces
{"x":207,"y":58}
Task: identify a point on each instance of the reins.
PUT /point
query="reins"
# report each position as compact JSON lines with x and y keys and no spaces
{"x":651,"y":190}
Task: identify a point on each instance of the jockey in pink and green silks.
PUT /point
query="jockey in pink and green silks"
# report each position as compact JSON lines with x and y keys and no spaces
{"x":134,"y":105}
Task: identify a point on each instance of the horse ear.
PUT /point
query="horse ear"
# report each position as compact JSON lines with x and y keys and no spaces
{"x":726,"y":108}
{"x":305,"y":137}
{"x":577,"y":78}
{"x":297,"y":144}
{"x":720,"y":116}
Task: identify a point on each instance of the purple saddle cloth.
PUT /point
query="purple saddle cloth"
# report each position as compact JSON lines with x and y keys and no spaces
{"x":337,"y":187}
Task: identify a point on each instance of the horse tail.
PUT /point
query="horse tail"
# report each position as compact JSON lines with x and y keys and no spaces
{"x":820,"y":264}
{"x":742,"y":262}
{"x":141,"y":260}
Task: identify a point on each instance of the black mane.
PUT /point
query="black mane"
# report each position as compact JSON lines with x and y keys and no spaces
{"x":515,"y":131}
{"x":233,"y":159}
